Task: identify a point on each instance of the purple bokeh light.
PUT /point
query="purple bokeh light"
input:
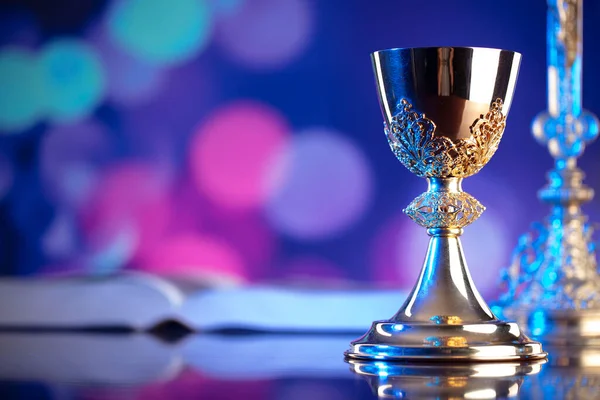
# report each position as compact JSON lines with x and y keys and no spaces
{"x":155,"y":128}
{"x":266,"y":34}
{"x":234,"y":151}
{"x":60,"y":239}
{"x":130,"y":80}
{"x":194,"y":255}
{"x":327,"y":186}
{"x":70,"y":159}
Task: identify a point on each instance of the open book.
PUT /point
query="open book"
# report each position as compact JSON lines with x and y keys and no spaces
{"x":142,"y":302}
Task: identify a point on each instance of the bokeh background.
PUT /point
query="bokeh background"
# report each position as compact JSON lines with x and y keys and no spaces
{"x":241,"y":140}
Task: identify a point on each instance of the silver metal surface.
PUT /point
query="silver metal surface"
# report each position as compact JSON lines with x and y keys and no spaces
{"x":445,"y":381}
{"x":552,"y":284}
{"x":445,"y":113}
{"x":453,"y":86}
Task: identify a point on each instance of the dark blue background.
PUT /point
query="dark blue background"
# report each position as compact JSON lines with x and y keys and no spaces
{"x":329,"y":83}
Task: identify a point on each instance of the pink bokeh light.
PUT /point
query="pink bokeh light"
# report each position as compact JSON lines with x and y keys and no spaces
{"x":253,"y":239}
{"x":326,"y":186}
{"x":233,"y":153}
{"x":188,"y":209}
{"x":128,"y":212}
{"x":246,"y":33}
{"x":247,"y":232}
{"x":192,"y":384}
{"x":194,"y":255}
{"x":188,"y":383}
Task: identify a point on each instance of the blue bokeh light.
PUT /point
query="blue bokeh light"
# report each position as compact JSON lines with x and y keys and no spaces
{"x":21,"y":100}
{"x":538,"y":323}
{"x":160,"y":31}
{"x":74,"y":79}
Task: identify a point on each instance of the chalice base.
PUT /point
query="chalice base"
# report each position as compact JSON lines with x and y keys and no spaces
{"x":488,"y":341}
{"x":445,"y":318}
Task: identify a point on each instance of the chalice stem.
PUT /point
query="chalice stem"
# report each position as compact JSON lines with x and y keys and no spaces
{"x":445,"y":292}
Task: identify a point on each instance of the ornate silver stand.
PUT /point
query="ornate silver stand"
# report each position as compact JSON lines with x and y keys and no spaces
{"x":552,"y":285}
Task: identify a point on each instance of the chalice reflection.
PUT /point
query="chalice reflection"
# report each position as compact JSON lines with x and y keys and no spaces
{"x":389,"y":380}
{"x":445,"y":112}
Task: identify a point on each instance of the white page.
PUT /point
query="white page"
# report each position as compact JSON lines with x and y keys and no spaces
{"x":136,"y":301}
{"x":290,"y":309}
{"x":140,"y":302}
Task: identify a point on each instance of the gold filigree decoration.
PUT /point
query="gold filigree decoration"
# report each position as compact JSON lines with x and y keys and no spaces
{"x":411,"y":136}
{"x":444,"y":209}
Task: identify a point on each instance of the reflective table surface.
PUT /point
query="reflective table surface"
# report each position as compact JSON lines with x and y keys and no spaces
{"x":122,"y":366}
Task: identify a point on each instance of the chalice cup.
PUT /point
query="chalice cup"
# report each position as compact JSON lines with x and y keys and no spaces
{"x":445,"y":112}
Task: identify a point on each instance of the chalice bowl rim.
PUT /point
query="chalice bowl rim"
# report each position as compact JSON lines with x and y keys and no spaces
{"x":400,"y":49}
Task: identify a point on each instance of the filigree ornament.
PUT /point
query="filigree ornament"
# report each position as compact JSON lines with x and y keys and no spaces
{"x":411,"y":136}
{"x":554,"y":267}
{"x":444,"y":209}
